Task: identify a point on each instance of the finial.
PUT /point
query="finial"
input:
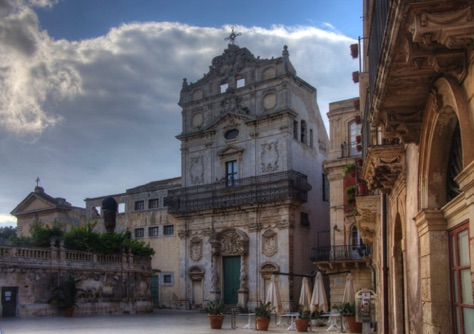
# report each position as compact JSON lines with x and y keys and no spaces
{"x":233,"y":36}
{"x":37,"y":181}
{"x":285,"y":52}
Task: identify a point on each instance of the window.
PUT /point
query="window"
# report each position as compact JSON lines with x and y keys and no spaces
{"x":304,"y":219}
{"x":224,"y":87}
{"x":240,"y":82}
{"x":295,"y":129}
{"x":165,"y":203}
{"x":153,"y":203}
{"x":139,"y":205}
{"x":231,"y":173}
{"x":231,"y":134}
{"x":461,"y":287}
{"x":354,"y":131}
{"x":153,"y":231}
{"x":121,"y":208}
{"x":325,"y":187}
{"x":167,"y":278}
{"x":139,"y":233}
{"x":303,"y":132}
{"x":168,"y":229}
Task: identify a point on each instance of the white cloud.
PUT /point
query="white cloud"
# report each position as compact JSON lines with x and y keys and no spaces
{"x":103,"y":112}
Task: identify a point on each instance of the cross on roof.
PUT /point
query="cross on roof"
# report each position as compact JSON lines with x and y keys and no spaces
{"x":233,"y":36}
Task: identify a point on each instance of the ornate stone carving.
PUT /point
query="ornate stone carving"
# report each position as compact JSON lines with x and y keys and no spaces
{"x":232,"y":61}
{"x":197,"y":170}
{"x":269,"y":156}
{"x":196,"y":248}
{"x":196,"y":274}
{"x":270,"y":243}
{"x":453,"y":29}
{"x":243,"y":275}
{"x":229,"y":242}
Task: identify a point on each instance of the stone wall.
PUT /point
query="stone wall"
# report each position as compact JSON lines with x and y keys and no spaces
{"x":111,"y":284}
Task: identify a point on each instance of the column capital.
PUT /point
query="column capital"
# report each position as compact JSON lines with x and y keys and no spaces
{"x":430,"y":220}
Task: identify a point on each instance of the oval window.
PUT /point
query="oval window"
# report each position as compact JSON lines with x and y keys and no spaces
{"x":231,"y":134}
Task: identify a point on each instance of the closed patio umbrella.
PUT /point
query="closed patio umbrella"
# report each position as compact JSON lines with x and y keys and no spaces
{"x":349,"y":291}
{"x":319,"y":301}
{"x":305,"y":295}
{"x":274,"y":298}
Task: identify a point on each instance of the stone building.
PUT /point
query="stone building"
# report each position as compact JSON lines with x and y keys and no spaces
{"x":416,"y":93}
{"x":142,"y":213}
{"x":39,"y":206}
{"x":347,"y":252}
{"x":251,"y":201}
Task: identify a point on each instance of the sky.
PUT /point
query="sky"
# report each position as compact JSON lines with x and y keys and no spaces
{"x":89,"y":88}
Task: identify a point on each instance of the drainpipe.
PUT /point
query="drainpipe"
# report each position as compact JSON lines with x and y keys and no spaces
{"x":385,"y":265}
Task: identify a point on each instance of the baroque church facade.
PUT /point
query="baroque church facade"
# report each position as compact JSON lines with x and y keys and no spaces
{"x":251,"y":202}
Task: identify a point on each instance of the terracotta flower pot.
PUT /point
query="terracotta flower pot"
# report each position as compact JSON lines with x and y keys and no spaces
{"x":263,"y":323}
{"x":216,"y":320}
{"x":302,"y":325}
{"x":352,"y":325}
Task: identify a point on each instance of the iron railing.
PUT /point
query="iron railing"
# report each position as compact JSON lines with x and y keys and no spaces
{"x":340,"y":253}
{"x":251,"y":190}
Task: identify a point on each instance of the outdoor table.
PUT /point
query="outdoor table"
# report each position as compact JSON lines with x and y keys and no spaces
{"x":291,"y":315}
{"x":334,"y":319}
{"x":248,"y":326}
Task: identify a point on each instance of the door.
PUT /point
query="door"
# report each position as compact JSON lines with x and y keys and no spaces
{"x":155,"y":291}
{"x":231,"y":267}
{"x":9,"y":296}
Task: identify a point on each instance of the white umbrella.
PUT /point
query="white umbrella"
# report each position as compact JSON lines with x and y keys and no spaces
{"x":274,"y":298}
{"x":319,"y":301}
{"x":273,"y":295}
{"x":349,"y":291}
{"x":305,"y":295}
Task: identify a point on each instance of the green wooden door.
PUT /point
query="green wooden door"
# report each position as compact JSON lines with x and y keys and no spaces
{"x":231,"y":266}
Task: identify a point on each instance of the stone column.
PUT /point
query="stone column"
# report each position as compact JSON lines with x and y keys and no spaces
{"x":434,"y":267}
{"x":243,"y":293}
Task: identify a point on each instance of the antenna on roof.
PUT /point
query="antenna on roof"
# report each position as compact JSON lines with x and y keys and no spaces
{"x":233,"y":35}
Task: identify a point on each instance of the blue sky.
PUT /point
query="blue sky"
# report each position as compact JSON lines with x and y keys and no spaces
{"x":89,"y":88}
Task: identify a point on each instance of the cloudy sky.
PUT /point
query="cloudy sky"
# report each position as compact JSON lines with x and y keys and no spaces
{"x":89,"y":88}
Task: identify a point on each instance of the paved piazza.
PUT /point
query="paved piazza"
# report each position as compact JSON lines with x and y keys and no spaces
{"x":159,"y":322}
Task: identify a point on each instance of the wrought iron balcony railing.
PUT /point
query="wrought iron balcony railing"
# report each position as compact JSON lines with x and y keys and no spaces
{"x":340,"y":253}
{"x":252,"y":190}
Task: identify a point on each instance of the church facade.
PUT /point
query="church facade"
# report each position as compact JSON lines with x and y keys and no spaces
{"x":251,"y":201}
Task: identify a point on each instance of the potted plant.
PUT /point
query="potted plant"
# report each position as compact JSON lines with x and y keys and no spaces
{"x":215,"y":313}
{"x":302,"y":322}
{"x":65,"y":296}
{"x":348,"y":312}
{"x":262,"y":314}
{"x":315,"y":316}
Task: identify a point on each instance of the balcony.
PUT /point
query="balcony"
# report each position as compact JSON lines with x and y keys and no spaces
{"x":341,"y":257}
{"x":411,"y":43}
{"x":282,"y":186}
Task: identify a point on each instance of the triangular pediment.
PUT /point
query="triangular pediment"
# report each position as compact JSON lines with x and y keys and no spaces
{"x":229,"y":120}
{"x":39,"y":201}
{"x":230,"y":150}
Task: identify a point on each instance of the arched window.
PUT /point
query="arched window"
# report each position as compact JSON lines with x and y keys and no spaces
{"x":454,"y":164}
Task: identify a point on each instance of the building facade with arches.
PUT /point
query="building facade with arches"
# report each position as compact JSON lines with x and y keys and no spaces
{"x":416,"y":91}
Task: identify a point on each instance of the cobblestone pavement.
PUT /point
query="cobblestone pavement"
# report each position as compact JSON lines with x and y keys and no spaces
{"x":159,"y":322}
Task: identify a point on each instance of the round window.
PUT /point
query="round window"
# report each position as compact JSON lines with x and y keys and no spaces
{"x":231,"y":134}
